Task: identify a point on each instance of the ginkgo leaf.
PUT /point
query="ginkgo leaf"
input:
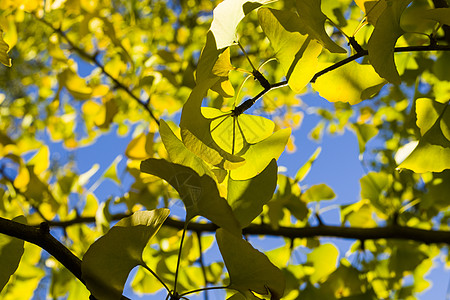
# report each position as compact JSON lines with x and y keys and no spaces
{"x":109,"y":260}
{"x":304,"y":170}
{"x":441,"y":15}
{"x":111,"y":172}
{"x":179,"y":154}
{"x":247,"y":197}
{"x":314,"y":19}
{"x":11,"y":251}
{"x":428,"y":112}
{"x":226,"y":17}
{"x":41,"y":160}
{"x":364,"y":132}
{"x":141,"y":147}
{"x":372,"y":9}
{"x":259,"y":155}
{"x":382,"y":41}
{"x":344,"y":84}
{"x":249,"y":269}
{"x":294,"y":49}
{"x":318,"y":192}
{"x":76,"y":86}
{"x":196,"y":134}
{"x":198,"y":193}
{"x":4,"y":48}
{"x":324,"y":259}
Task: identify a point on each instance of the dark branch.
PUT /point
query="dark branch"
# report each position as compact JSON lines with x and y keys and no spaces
{"x":92,"y":58}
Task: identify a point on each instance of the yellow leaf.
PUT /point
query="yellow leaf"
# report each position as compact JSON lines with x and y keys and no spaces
{"x":141,"y":147}
{"x":23,"y":178}
{"x":41,"y":160}
{"x":4,"y":48}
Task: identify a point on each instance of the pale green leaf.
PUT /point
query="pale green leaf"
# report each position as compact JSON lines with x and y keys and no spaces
{"x":311,"y":14}
{"x":4,"y":48}
{"x":427,"y":157}
{"x":226,"y":17}
{"x":198,"y":193}
{"x":111,"y":172}
{"x":11,"y":251}
{"x":109,"y":260}
{"x":345,"y":84}
{"x":373,"y":185}
{"x":294,"y":49}
{"x":441,"y":15}
{"x":428,"y":112}
{"x":323,"y":259}
{"x":249,"y":269}
{"x":304,"y":170}
{"x":372,"y":9}
{"x":318,"y":192}
{"x":383,"y":39}
{"x":247,"y":197}
{"x":259,"y":155}
{"x":364,"y":132}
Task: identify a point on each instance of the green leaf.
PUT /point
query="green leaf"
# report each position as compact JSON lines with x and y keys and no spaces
{"x":109,"y":260}
{"x":314,"y":19}
{"x":428,"y":157}
{"x":4,"y":49}
{"x":195,"y":130}
{"x":372,"y":9}
{"x":226,"y":17}
{"x":294,"y":49}
{"x":198,"y":193}
{"x":441,"y":15}
{"x":324,"y":259}
{"x":11,"y":251}
{"x":179,"y":154}
{"x":304,"y":170}
{"x":259,"y":155}
{"x":318,"y":192}
{"x":345,"y":84}
{"x":247,"y":197}
{"x":373,"y":185}
{"x":111,"y":172}
{"x":382,"y":41}
{"x":428,"y":112}
{"x":249,"y":269}
{"x":364,"y":132}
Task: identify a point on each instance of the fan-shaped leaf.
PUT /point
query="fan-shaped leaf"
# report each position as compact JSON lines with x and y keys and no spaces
{"x":324,"y":259}
{"x":110,"y":259}
{"x":4,"y":48}
{"x":198,"y":193}
{"x":382,"y":41}
{"x":318,"y":192}
{"x":441,"y":15}
{"x":249,"y":269}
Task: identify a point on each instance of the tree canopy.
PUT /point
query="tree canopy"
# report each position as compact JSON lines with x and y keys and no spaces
{"x":207,"y":95}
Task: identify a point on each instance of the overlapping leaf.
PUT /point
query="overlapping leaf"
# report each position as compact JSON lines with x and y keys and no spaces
{"x":441,"y":15}
{"x":249,"y":269}
{"x":226,"y":17}
{"x":372,"y":9}
{"x":198,"y":193}
{"x":294,"y":48}
{"x":382,"y":41}
{"x":4,"y":48}
{"x":345,"y":84}
{"x":247,"y":197}
{"x":314,"y":19}
{"x":110,"y":259}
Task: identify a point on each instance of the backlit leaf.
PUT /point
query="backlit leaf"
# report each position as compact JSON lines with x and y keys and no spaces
{"x":294,"y":49}
{"x":249,"y":269}
{"x":364,"y":132}
{"x":41,"y":160}
{"x":109,"y":260}
{"x":441,"y":15}
{"x":323,"y":259}
{"x":382,"y":41}
{"x":141,"y":147}
{"x":198,"y":193}
{"x":304,"y":170}
{"x":11,"y":250}
{"x":318,"y":192}
{"x":344,"y":84}
{"x":226,"y":17}
{"x":75,"y":84}
{"x":4,"y":48}
{"x":372,"y":9}
{"x":314,"y":19}
{"x":247,"y":197}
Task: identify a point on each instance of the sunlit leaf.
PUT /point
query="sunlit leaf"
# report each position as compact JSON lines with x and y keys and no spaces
{"x":75,"y":84}
{"x":4,"y":48}
{"x":107,"y":263}
{"x":318,"y":192}
{"x":226,"y":17}
{"x":247,"y":197}
{"x":304,"y":170}
{"x":323,"y":259}
{"x":314,"y":19}
{"x":382,"y":41}
{"x":260,"y":276}
{"x":41,"y":160}
{"x":141,"y":147}
{"x":111,"y":172}
{"x":372,"y":9}
{"x":294,"y":49}
{"x":11,"y":250}
{"x":198,"y":193}
{"x":364,"y":132}
{"x":344,"y":84}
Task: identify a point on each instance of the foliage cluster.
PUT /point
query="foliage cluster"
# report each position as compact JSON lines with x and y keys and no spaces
{"x":75,"y":70}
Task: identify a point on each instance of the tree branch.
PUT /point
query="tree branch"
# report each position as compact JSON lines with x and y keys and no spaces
{"x":93,"y":58}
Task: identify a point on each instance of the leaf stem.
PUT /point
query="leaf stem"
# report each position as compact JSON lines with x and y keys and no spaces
{"x":179,"y":257}
{"x":157,"y":277}
{"x":202,"y":264}
{"x":246,"y":56}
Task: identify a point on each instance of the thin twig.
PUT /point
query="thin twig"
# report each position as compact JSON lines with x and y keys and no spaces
{"x":202,"y":264}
